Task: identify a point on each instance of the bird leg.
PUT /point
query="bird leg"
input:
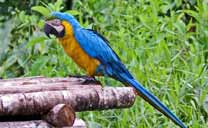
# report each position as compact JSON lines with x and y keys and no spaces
{"x":87,"y":79}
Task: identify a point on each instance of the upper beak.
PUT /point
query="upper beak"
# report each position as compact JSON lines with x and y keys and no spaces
{"x":54,"y":27}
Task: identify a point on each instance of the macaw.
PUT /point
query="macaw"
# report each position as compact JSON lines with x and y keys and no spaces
{"x":92,"y":52}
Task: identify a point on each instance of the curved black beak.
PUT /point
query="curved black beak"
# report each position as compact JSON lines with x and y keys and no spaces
{"x":54,"y":27}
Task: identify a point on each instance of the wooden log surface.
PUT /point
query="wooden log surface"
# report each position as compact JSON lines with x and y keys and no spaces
{"x":37,"y":95}
{"x":60,"y":115}
{"x":36,"y":84}
{"x":39,"y":124}
{"x":38,"y":103}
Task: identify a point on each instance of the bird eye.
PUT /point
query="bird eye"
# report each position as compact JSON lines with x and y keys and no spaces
{"x":56,"y":22}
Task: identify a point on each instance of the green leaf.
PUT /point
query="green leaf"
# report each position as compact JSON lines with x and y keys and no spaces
{"x":180,"y":26}
{"x":36,"y":40}
{"x":39,"y":64}
{"x":58,"y":4}
{"x":192,"y":13}
{"x":42,"y":10}
{"x":205,"y":104}
{"x":10,"y":61}
{"x":73,"y":12}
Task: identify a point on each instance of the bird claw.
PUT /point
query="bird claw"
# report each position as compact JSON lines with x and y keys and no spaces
{"x":86,"y":79}
{"x":90,"y":80}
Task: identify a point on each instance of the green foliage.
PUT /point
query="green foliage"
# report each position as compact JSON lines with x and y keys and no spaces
{"x":48,"y":8}
{"x":24,"y":46}
{"x":44,"y":11}
{"x":163,"y":43}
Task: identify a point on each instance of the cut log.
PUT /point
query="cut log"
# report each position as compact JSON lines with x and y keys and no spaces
{"x":39,"y":124}
{"x":37,"y":84}
{"x":40,"y":79}
{"x":57,"y":100}
{"x":11,"y":89}
{"x":60,"y":115}
{"x":39,"y":103}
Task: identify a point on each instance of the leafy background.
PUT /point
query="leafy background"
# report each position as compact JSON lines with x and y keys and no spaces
{"x":163,"y":43}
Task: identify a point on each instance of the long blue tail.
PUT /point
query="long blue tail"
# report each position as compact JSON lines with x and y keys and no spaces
{"x":155,"y":102}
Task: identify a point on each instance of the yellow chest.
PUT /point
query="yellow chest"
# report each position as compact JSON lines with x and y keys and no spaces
{"x":73,"y":49}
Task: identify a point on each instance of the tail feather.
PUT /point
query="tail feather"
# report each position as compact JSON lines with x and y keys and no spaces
{"x":118,"y":71}
{"x":155,"y":102}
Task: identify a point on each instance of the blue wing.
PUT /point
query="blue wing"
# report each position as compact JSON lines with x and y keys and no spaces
{"x":96,"y":46}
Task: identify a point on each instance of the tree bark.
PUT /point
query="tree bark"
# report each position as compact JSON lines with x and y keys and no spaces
{"x":78,"y":123}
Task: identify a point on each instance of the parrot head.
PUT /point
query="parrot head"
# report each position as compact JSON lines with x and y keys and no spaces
{"x":55,"y":26}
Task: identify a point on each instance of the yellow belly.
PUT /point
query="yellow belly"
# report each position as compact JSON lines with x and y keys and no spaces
{"x":73,"y":49}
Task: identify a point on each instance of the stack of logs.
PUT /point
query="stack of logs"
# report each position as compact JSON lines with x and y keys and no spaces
{"x":52,"y":102}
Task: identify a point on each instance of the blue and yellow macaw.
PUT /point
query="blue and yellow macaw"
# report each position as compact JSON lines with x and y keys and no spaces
{"x":92,"y":52}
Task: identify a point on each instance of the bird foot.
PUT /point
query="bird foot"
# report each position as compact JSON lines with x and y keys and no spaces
{"x":90,"y":80}
{"x":87,"y":79}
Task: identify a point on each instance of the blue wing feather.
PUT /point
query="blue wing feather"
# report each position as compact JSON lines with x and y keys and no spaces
{"x":95,"y":46}
{"x":104,"y":39}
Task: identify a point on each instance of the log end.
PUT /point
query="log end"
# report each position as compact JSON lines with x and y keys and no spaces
{"x":60,"y":115}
